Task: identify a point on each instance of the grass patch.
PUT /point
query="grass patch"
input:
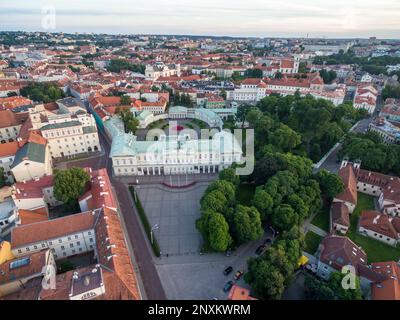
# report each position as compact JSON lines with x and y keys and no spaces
{"x":245,"y":194}
{"x":145,"y":222}
{"x":312,"y":241}
{"x":321,"y":220}
{"x":375,"y":249}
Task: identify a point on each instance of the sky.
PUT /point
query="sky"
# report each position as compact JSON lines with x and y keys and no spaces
{"x":259,"y":18}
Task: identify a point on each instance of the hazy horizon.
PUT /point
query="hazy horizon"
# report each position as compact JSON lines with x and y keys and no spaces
{"x":254,"y":18}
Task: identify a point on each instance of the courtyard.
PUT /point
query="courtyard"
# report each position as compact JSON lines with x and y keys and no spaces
{"x":175,"y":211}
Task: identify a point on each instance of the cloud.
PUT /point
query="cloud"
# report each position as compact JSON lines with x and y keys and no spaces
{"x":219,"y":17}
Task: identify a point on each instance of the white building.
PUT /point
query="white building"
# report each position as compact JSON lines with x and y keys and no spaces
{"x":365,"y":98}
{"x":70,"y":130}
{"x":173,"y":154}
{"x":250,"y":89}
{"x":159,"y":69}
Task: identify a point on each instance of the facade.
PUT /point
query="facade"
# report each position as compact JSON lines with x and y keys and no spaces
{"x":99,"y":232}
{"x":335,"y":252}
{"x":9,"y":126}
{"x":17,"y":273}
{"x":250,"y":90}
{"x":7,"y":155}
{"x":385,"y":187}
{"x":389,"y":132}
{"x":380,"y":226}
{"x":35,"y":195}
{"x":8,"y":216}
{"x":69,"y":130}
{"x":339,"y":217}
{"x":391,"y":110}
{"x":365,"y":98}
{"x":174,"y":155}
{"x":349,"y":195}
{"x":32,"y":161}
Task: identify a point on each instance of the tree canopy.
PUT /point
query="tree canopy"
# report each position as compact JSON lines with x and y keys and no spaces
{"x":42,"y":92}
{"x":69,"y":185}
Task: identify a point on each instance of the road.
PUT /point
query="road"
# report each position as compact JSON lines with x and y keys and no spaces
{"x":138,"y":241}
{"x":332,"y":163}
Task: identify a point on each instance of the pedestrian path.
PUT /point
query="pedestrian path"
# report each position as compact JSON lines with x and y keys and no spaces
{"x":317,"y":230}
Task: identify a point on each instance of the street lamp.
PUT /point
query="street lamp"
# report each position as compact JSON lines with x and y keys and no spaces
{"x":155,"y":227}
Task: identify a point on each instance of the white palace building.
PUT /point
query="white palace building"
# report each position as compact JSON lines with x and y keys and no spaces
{"x":173,"y":154}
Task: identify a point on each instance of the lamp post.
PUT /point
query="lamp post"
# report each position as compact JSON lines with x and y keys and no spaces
{"x":155,"y":227}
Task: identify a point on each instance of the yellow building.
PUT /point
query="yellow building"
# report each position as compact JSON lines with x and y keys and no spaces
{"x":5,"y":252}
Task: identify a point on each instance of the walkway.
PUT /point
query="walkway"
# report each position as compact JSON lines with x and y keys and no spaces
{"x":317,"y":230}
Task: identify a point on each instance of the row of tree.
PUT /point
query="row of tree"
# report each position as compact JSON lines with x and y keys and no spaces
{"x":374,"y":65}
{"x":372,"y":152}
{"x":116,"y":65}
{"x":42,"y":92}
{"x":224,"y":223}
{"x":281,"y":121}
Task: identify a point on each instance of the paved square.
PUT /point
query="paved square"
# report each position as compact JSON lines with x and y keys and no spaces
{"x":175,"y":211}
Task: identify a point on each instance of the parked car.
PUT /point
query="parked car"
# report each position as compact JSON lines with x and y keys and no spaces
{"x":228,"y":286}
{"x":260,"y":249}
{"x":312,"y":267}
{"x":228,"y":270}
{"x":238,"y":275}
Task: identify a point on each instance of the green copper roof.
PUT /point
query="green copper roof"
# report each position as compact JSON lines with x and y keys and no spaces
{"x":60,"y":125}
{"x":89,"y":129}
{"x":31,"y":151}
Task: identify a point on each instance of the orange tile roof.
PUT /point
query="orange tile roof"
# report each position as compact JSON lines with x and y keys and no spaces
{"x":8,"y":149}
{"x":36,"y":263}
{"x":350,"y":185}
{"x":388,"y":289}
{"x":28,"y":217}
{"x":44,"y":230}
{"x":7,"y":119}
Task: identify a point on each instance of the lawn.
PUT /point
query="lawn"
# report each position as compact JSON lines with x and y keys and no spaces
{"x":321,"y":220}
{"x":245,"y":193}
{"x":376,"y":250}
{"x":312,"y":241}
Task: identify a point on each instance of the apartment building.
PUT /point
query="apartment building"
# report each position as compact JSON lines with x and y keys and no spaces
{"x":365,"y":97}
{"x":9,"y":126}
{"x":250,"y":90}
{"x":159,"y":69}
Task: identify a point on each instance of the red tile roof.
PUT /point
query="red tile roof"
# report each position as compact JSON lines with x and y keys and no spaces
{"x":389,"y":288}
{"x":380,"y":223}
{"x":350,"y":185}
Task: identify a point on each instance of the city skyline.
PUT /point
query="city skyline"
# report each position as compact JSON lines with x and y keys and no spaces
{"x":343,"y":19}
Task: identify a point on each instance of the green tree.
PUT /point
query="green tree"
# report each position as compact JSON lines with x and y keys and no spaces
{"x":247,"y":224}
{"x":265,"y":279}
{"x":225,"y":187}
{"x":214,"y":200}
{"x":263,"y":202}
{"x":69,"y":185}
{"x":284,"y":217}
{"x":284,"y":138}
{"x":229,"y":175}
{"x":335,"y":283}
{"x":42,"y":92}
{"x":215,"y":230}
{"x":331,"y":184}
{"x":2,"y":178}
{"x":125,"y":100}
